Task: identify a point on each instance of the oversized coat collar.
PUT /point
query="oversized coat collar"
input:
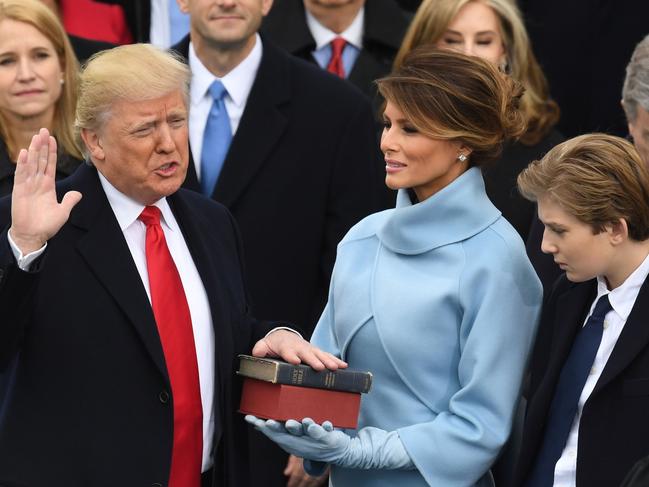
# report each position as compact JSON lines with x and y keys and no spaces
{"x":457,"y":212}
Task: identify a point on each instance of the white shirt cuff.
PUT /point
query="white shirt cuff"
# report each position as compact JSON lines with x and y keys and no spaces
{"x":284,"y":328}
{"x":25,"y":261}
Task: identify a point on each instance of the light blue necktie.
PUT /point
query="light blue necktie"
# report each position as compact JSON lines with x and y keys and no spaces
{"x":216,"y":139}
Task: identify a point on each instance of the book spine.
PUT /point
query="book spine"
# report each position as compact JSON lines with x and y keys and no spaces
{"x":340,"y":380}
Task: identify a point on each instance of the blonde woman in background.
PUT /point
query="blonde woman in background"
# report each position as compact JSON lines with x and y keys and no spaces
{"x":494,"y":30}
{"x":38,"y":85}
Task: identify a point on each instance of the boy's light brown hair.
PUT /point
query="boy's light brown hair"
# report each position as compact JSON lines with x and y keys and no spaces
{"x":596,"y":178}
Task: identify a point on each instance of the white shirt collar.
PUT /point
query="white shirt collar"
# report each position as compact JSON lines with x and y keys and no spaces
{"x":237,"y":82}
{"x":323,"y":36}
{"x":623,"y":297}
{"x":127,"y":210}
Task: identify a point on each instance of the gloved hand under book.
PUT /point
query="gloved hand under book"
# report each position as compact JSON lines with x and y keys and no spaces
{"x":373,"y":448}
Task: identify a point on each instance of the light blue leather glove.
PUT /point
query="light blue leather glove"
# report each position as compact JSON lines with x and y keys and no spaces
{"x":373,"y":448}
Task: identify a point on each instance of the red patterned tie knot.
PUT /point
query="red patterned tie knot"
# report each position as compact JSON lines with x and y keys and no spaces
{"x":337,"y":46}
{"x":335,"y":65}
{"x":150,"y":215}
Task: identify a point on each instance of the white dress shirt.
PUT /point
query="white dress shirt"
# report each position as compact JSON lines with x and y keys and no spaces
{"x":323,"y":37}
{"x":168,"y":24}
{"x":160,"y":30}
{"x":622,"y":299}
{"x":126,"y":212}
{"x":238,"y":84}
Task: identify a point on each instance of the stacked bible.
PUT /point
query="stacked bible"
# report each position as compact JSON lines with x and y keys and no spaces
{"x":273,"y":389}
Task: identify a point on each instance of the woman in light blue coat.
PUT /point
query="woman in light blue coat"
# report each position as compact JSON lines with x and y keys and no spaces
{"x":436,"y":296}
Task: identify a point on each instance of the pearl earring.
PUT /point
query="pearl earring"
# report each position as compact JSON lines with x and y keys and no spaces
{"x":62,"y":81}
{"x":461,"y":158}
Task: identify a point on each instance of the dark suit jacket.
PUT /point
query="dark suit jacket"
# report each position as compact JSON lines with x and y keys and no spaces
{"x":639,"y":474}
{"x":88,"y":404}
{"x":303,"y":167}
{"x":614,"y":429}
{"x":385,"y":26}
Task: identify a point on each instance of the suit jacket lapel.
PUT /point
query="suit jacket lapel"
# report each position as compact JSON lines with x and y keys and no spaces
{"x":105,"y":251}
{"x":262,"y":125}
{"x":566,"y":318}
{"x":292,"y":32}
{"x":633,"y":339}
{"x":569,"y":314}
{"x":206,"y":257}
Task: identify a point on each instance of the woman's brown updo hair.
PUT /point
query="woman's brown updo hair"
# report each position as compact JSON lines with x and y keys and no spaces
{"x":450,"y":96}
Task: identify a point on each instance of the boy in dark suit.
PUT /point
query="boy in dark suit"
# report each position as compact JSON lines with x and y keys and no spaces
{"x":586,"y":421}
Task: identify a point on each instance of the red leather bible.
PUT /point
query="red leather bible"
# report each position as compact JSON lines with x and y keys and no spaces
{"x":282,"y":401}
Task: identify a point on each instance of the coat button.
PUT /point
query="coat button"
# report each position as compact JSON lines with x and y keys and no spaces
{"x":164,"y":398}
{"x":156,"y":485}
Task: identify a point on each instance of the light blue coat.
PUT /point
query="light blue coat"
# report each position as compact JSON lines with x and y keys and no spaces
{"x":440,"y":302}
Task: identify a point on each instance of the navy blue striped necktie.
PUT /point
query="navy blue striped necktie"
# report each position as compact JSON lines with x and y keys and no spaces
{"x":566,"y":396}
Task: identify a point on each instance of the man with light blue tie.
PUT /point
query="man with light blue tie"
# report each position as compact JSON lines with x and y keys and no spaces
{"x":298,"y":167}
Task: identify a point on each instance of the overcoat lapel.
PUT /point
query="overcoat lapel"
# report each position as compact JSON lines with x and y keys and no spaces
{"x":569,"y":313}
{"x":205,"y":257}
{"x":262,"y":125}
{"x":105,"y":251}
{"x":193,"y":225}
{"x":633,"y":339}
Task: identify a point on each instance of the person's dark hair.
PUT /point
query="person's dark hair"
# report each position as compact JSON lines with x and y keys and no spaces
{"x":450,"y":96}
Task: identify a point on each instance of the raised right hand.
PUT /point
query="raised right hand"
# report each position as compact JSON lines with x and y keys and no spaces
{"x":36,"y":215}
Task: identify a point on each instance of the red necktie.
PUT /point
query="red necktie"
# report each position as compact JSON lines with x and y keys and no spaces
{"x":175,"y":328}
{"x":335,"y":65}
